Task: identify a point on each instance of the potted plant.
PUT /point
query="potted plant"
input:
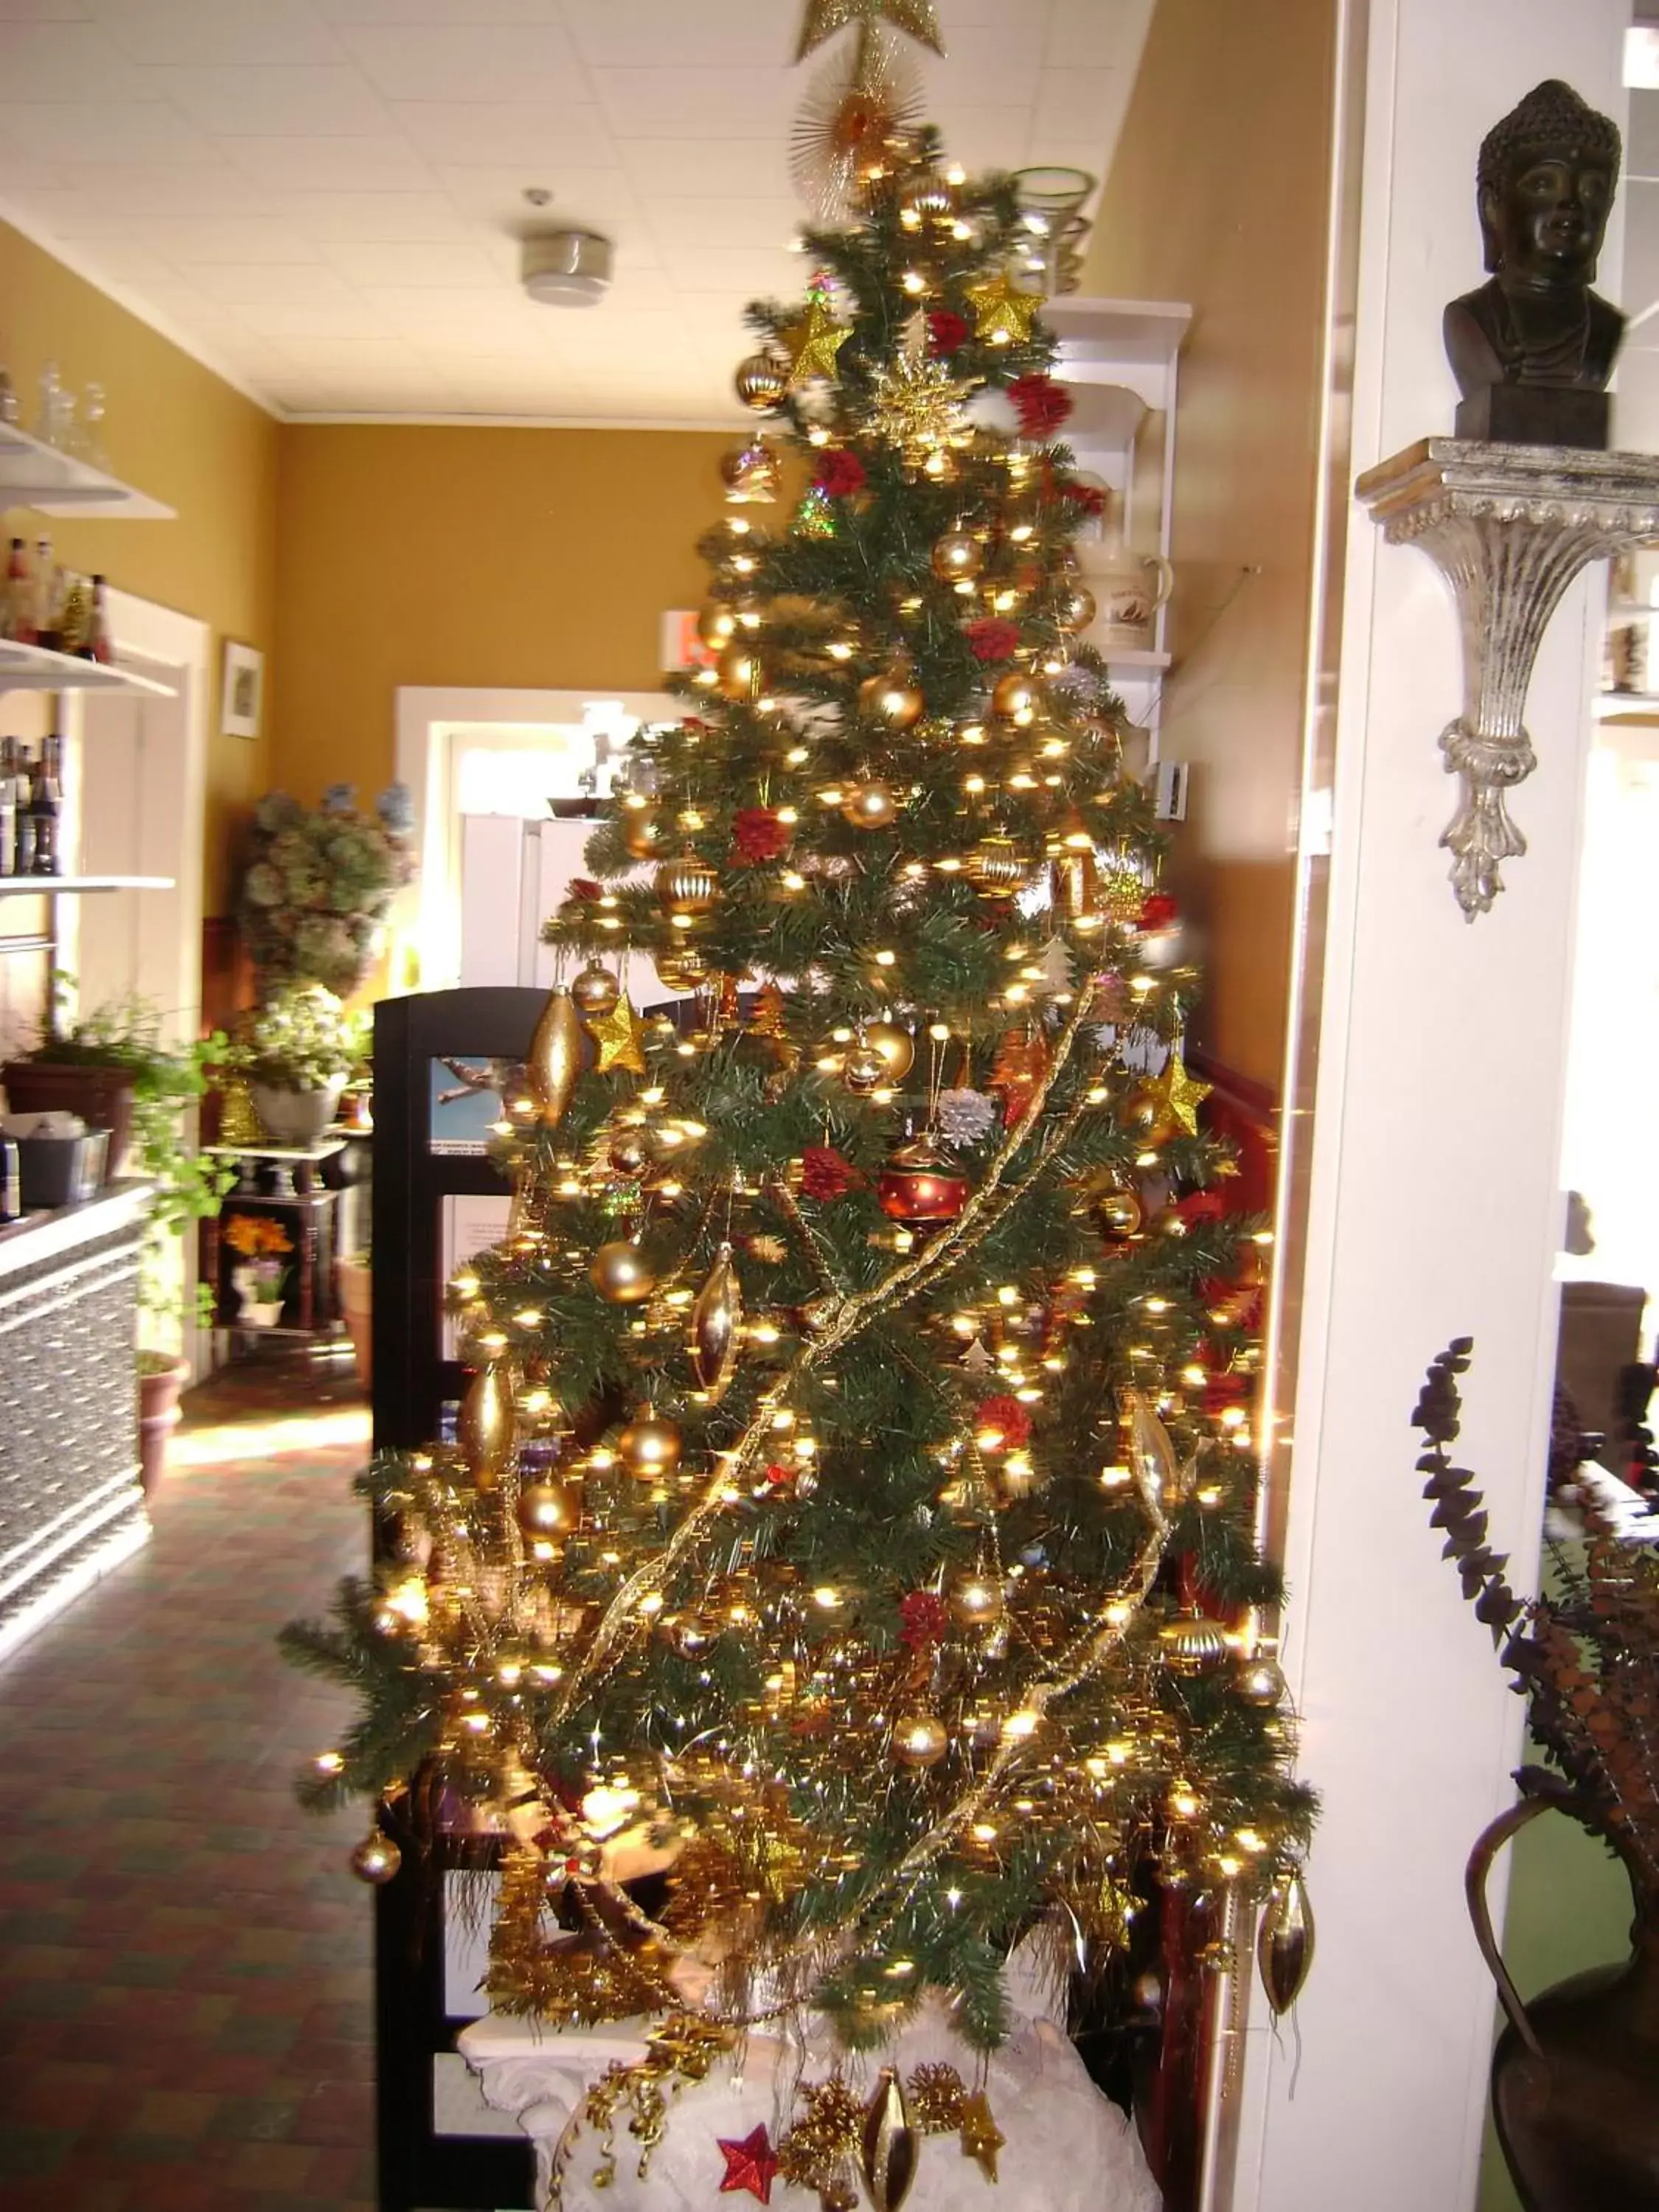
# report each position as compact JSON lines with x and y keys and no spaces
{"x":92,"y":1067}
{"x":299,"y":1052}
{"x":259,"y":1277}
{"x":319,"y":886}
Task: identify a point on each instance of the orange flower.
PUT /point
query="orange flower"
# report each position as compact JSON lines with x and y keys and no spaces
{"x":252,"y":1235}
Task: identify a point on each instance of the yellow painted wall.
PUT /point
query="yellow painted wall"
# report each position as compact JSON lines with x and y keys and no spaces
{"x":183,"y":434}
{"x":414,"y":555}
{"x":1218,"y":196}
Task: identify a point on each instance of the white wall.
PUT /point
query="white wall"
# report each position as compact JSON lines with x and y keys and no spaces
{"x":1435,"y":1209}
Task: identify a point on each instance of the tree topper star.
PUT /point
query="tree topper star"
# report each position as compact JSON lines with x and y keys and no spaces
{"x":1002,"y":315}
{"x":751,"y":2165}
{"x":917,"y":19}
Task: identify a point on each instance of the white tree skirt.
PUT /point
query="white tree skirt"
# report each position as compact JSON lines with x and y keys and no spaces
{"x":1068,"y":2148}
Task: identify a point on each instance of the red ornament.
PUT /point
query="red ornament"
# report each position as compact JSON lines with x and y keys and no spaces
{"x":751,"y":2165}
{"x":946,"y":331}
{"x":758,"y":834}
{"x":1008,"y":1419}
{"x":1201,"y":1206}
{"x":1088,"y":499}
{"x":840,"y":474}
{"x":584,"y":890}
{"x":824,"y":1174}
{"x":992,"y":638}
{"x":1158,"y":911}
{"x":779,"y":1475}
{"x":1041,"y":405}
{"x":920,"y":1185}
{"x":1221,"y":1391}
{"x":925,"y":1619}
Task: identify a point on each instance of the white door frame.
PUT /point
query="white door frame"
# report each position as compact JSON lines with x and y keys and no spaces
{"x":426,"y":927}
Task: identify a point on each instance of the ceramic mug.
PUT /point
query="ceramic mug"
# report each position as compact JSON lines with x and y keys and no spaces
{"x":1130,"y":594}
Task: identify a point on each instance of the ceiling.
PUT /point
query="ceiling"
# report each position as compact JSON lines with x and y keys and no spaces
{"x":323,"y":199}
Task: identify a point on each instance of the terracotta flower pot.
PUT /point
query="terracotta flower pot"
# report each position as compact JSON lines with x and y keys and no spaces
{"x":158,"y":1415}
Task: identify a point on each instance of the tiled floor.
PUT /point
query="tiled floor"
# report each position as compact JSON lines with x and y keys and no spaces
{"x":184,"y":1988}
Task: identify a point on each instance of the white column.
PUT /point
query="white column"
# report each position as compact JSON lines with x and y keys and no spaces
{"x":1434,"y":1212}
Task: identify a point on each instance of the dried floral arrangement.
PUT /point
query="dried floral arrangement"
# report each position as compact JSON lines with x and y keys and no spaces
{"x":319,"y":882}
{"x":1587,"y":1660}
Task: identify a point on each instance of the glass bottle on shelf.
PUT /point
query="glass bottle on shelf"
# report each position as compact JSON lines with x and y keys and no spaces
{"x":92,"y":410}
{"x":45,"y":802}
{"x":99,"y":645}
{"x":17,"y":613}
{"x":11,"y":411}
{"x":7,"y":805}
{"x":49,"y":419}
{"x":45,"y":595}
{"x":23,"y":859}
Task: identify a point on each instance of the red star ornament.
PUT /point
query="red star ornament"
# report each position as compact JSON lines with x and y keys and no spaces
{"x":751,"y":2165}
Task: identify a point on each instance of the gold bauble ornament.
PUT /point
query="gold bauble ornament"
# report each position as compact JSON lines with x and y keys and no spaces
{"x":376,"y":1859}
{"x":485,"y":1425}
{"x":642,"y":833}
{"x":739,"y":672}
{"x":919,"y":1740}
{"x":892,"y":700}
{"x":1193,"y":1646}
{"x":1118,"y":1212}
{"x":649,"y":1448}
{"x":890,"y":2145}
{"x":897,"y":1048}
{"x":544,"y":1510}
{"x":595,"y":989}
{"x":1077,"y":611}
{"x":870,"y":807}
{"x":716,"y":1323}
{"x":554,"y":1058}
{"x":1284,"y":1940}
{"x":1148,"y":1111}
{"x":957,"y":556}
{"x":687,"y":885}
{"x":621,"y":1274}
{"x":1259,"y":1681}
{"x":762,"y":381}
{"x":864,"y":1070}
{"x":997,"y":869}
{"x":682,"y":969}
{"x":975,"y":1601}
{"x":1016,"y":696}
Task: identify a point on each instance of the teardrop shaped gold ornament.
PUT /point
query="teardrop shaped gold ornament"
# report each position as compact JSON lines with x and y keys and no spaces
{"x":1162,"y":1471}
{"x":485,"y":1425}
{"x":555,"y":1059}
{"x":716,"y":1322}
{"x":1284,"y":1940}
{"x":890,"y":2145}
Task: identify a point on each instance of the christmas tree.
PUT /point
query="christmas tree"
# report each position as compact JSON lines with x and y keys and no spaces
{"x":845,"y":1563}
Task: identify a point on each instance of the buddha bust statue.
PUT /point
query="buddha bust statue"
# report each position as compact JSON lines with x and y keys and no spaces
{"x":1533,"y":349}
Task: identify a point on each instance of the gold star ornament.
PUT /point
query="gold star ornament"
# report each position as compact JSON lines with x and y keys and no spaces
{"x":1185,"y":1093}
{"x":813,"y":344}
{"x":1002,"y":315}
{"x":981,"y":2138}
{"x":617,"y":1035}
{"x":917,"y":405}
{"x":917,"y":19}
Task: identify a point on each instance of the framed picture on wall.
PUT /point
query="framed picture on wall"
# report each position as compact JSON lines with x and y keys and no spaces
{"x":243,"y":690}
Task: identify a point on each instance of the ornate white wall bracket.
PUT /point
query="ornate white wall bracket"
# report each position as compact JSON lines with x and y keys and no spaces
{"x":1509,"y":527}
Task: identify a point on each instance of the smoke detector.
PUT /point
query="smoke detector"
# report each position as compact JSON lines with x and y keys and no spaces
{"x":565,"y":268}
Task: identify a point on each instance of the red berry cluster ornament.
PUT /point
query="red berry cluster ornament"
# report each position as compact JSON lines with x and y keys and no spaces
{"x":758,"y":834}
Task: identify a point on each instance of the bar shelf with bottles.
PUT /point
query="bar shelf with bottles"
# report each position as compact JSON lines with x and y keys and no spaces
{"x":54,"y":629}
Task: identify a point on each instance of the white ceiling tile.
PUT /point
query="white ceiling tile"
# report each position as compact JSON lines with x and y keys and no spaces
{"x":273,"y":103}
{"x":743,"y":275}
{"x":691,"y":168}
{"x":692,"y":103}
{"x":400,"y":263}
{"x":159,"y":190}
{"x":439,"y":11}
{"x":129,"y":262}
{"x":74,"y":214}
{"x":1083,"y":34}
{"x":247,"y":33}
{"x":252,"y":241}
{"x":96,"y":133}
{"x":769,"y":224}
{"x":1074,"y":104}
{"x":476,"y":63}
{"x":467,"y":133}
{"x":582,"y":196}
{"x":298,"y":320}
{"x":415,"y":308}
{"x":372,"y":218}
{"x":376,"y":164}
{"x":283,"y":283}
{"x":64,"y":61}
{"x":985,"y":63}
{"x":620,"y":33}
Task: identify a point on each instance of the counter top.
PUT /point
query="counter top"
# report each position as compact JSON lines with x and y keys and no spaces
{"x":63,"y":1230}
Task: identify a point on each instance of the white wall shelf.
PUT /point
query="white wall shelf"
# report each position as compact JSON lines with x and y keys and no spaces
{"x":54,"y":886}
{"x":35,"y":475}
{"x":33,"y":668}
